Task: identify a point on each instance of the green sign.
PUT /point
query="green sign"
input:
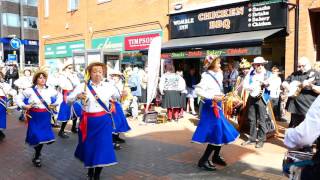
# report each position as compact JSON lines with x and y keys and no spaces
{"x":61,"y":50}
{"x":116,"y":43}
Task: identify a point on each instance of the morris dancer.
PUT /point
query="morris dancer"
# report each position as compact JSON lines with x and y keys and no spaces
{"x":5,"y":90}
{"x":213,"y":127}
{"x":67,"y":82}
{"x":39,"y":111}
{"x":23,"y":83}
{"x":95,"y":148}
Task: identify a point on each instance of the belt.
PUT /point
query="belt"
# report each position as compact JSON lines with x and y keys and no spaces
{"x":84,"y":122}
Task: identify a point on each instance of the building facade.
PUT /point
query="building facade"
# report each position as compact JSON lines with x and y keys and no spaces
{"x":254,"y":28}
{"x":99,"y":25}
{"x":19,"y":19}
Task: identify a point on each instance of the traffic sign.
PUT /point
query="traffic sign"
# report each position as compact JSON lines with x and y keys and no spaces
{"x":12,"y":57}
{"x":15,"y":43}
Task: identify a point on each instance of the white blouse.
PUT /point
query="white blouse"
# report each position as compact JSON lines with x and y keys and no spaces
{"x":23,"y":82}
{"x":68,"y":81}
{"x":46,"y":94}
{"x":105,"y":91}
{"x":5,"y":89}
{"x":208,"y":87}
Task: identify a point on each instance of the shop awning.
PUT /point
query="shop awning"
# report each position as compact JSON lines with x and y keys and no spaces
{"x":234,"y":39}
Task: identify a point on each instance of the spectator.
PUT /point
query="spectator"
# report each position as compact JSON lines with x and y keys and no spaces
{"x":275,"y":89}
{"x":134,"y":84}
{"x":192,"y":79}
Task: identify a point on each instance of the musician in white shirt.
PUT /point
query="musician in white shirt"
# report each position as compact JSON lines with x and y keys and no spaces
{"x":95,"y":147}
{"x":41,"y":102}
{"x":68,"y":80}
{"x":256,"y":84}
{"x":5,"y":90}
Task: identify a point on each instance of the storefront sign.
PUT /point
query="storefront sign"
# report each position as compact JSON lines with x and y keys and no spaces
{"x":139,"y":42}
{"x":113,"y":43}
{"x":247,"y":51}
{"x":61,"y":50}
{"x":230,"y":19}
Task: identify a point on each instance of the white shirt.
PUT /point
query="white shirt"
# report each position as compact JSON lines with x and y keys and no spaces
{"x":46,"y":94}
{"x":68,"y":81}
{"x":6,"y":89}
{"x":208,"y":87}
{"x":308,"y":131}
{"x":257,"y":79}
{"x":274,"y":86}
{"x":105,"y":91}
{"x":23,"y":82}
{"x":169,"y":81}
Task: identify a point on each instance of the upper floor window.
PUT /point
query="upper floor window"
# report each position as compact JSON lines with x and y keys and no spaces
{"x":30,"y":22}
{"x":46,"y":8}
{"x":73,"y":5}
{"x":30,"y":2}
{"x":102,"y":1}
{"x":9,"y":19}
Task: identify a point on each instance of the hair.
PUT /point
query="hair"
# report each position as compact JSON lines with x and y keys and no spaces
{"x":90,"y":67}
{"x":169,"y":68}
{"x":214,"y":63}
{"x":316,"y":66}
{"x":24,"y":71}
{"x":305,"y":61}
{"x":37,"y":75}
{"x":275,"y":68}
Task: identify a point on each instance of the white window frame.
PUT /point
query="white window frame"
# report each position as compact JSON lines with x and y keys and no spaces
{"x":46,"y":8}
{"x":102,"y":1}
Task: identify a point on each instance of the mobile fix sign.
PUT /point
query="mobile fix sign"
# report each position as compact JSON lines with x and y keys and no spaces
{"x":139,"y":42}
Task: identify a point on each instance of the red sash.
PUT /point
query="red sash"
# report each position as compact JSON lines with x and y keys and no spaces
{"x":84,"y":122}
{"x":65,"y":94}
{"x":27,"y":113}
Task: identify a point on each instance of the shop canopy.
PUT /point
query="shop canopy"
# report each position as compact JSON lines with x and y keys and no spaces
{"x":234,"y":39}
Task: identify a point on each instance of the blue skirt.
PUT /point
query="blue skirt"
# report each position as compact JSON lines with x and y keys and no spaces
{"x":120,"y":120}
{"x":213,"y":130}
{"x":66,"y":111}
{"x":97,"y":149}
{"x":39,"y":129}
{"x":3,"y":115}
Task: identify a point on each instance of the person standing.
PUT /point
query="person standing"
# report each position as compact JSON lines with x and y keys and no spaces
{"x":256,"y":84}
{"x":134,"y":84}
{"x":192,"y":79}
{"x":5,"y":90}
{"x":12,"y":75}
{"x":68,"y":82}
{"x":95,"y":146}
{"x":275,"y":90}
{"x":213,"y":128}
{"x":41,"y":102}
{"x":232,"y":78}
{"x":308,"y":79}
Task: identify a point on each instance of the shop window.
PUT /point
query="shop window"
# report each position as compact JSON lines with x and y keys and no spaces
{"x":12,"y":20}
{"x":30,"y":22}
{"x":46,"y":8}
{"x":30,"y":2}
{"x":102,"y":1}
{"x":73,"y":5}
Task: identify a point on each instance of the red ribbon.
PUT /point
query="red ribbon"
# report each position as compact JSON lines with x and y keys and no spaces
{"x":65,"y":94}
{"x":113,"y":106}
{"x":215,"y":109}
{"x":84,"y":122}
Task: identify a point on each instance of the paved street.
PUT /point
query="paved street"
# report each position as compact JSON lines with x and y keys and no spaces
{"x":161,"y":151}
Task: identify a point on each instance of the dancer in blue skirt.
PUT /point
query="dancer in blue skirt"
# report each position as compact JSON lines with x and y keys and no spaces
{"x":95,"y":148}
{"x":213,"y":128}
{"x":39,"y":109}
{"x":67,"y":82}
{"x":5,"y":90}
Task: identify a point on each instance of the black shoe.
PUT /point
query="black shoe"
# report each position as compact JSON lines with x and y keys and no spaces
{"x":74,"y":130}
{"x":206,"y":166}
{"x":21,"y":118}
{"x":119,"y":140}
{"x":36,"y":162}
{"x":249,"y":142}
{"x":63,"y":135}
{"x":2,"y":135}
{"x":219,"y":160}
{"x":259,"y":144}
{"x":116,"y":146}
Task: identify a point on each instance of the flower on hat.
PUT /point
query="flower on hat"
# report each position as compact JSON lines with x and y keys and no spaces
{"x":209,"y":60}
{"x":244,"y":64}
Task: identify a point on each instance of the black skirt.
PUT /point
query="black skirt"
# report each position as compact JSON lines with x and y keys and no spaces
{"x":143,"y":97}
{"x":171,"y":99}
{"x":184,"y":100}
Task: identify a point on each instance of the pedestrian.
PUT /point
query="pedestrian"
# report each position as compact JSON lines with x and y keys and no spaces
{"x":183,"y":94}
{"x":232,"y":78}
{"x":68,"y":81}
{"x":192,"y":79}
{"x":5,"y":90}
{"x":301,"y":99}
{"x":12,"y":75}
{"x":213,"y":128}
{"x":275,"y":90}
{"x":257,"y":85}
{"x":42,"y":100}
{"x":169,"y":88}
{"x":134,"y":83}
{"x":95,"y":148}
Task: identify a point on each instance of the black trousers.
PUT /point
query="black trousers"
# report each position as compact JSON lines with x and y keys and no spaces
{"x":296,"y":119}
{"x":276,"y":107}
{"x":257,"y":119}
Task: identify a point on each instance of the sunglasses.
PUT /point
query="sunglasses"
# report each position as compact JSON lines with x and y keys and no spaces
{"x":300,"y":66}
{"x":258,"y":65}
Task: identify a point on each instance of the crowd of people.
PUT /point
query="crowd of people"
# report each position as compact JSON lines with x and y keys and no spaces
{"x":103,"y":97}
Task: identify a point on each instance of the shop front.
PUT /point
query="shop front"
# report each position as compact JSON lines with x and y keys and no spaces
{"x":234,"y":31}
{"x":129,"y":45}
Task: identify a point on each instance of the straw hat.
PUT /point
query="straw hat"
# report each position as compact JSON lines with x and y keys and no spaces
{"x":210,"y":59}
{"x":116,"y":72}
{"x":66,"y":64}
{"x":36,"y":74}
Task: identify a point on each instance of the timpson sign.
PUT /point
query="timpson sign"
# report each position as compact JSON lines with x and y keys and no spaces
{"x":229,"y":19}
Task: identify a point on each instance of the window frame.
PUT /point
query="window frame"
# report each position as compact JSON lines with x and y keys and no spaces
{"x":7,"y":20}
{"x":77,"y":3}
{"x":46,"y":8}
{"x":36,"y":20}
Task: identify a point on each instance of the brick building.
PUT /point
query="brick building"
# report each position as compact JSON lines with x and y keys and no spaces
{"x":112,"y":25}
